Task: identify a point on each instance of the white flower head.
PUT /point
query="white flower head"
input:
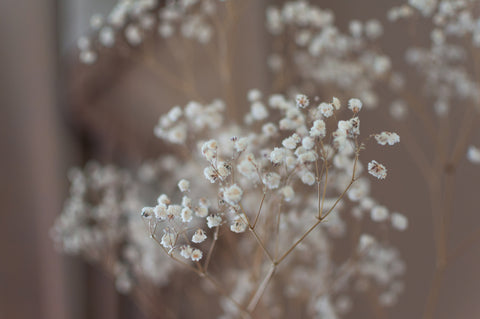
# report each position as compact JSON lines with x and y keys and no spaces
{"x":318,"y":129}
{"x":379,"y":213}
{"x":239,"y":224}
{"x":187,"y":215}
{"x":199,"y":236}
{"x":326,"y":109}
{"x":355,"y":105}
{"x":214,"y":221}
{"x":376,"y":169}
{"x":233,"y":194}
{"x":473,"y":154}
{"x":168,"y":239}
{"x":196,"y":255}
{"x":302,"y":101}
{"x":399,"y":221}
{"x":389,"y":138}
{"x":184,"y":185}
{"x":288,"y":193}
{"x":147,"y":212}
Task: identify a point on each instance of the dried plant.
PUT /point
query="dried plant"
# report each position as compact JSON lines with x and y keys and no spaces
{"x":271,"y":212}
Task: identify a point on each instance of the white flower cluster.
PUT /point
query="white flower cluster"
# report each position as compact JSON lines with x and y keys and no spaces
{"x":175,"y":126}
{"x":444,"y":64}
{"x":237,"y":179}
{"x":100,"y":222}
{"x":133,"y":20}
{"x":324,"y":55}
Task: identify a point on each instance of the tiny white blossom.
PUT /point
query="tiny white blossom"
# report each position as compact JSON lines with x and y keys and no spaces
{"x":302,"y":101}
{"x":214,"y":221}
{"x":378,"y":170}
{"x":147,"y":212}
{"x":201,"y":211}
{"x":233,"y":194}
{"x":473,"y":154}
{"x":161,"y":211}
{"x":241,"y":144}
{"x":184,"y":185}
{"x":336,"y":103}
{"x":196,"y":255}
{"x":163,"y":199}
{"x":318,"y":129}
{"x":259,"y":111}
{"x":199,"y":236}
{"x":168,"y":239}
{"x":399,"y":221}
{"x":389,"y":138}
{"x":308,"y":142}
{"x":254,"y":95}
{"x":326,"y":109}
{"x":174,"y":211}
{"x":355,"y":105}
{"x":271,"y":180}
{"x":269,"y":129}
{"x":365,"y":241}
{"x":379,"y":213}
{"x":187,"y":215}
{"x":239,"y":225}
{"x":277,"y":155}
{"x":186,"y":251}
{"x":288,"y":193}
{"x":291,"y":141}
{"x":308,"y":178}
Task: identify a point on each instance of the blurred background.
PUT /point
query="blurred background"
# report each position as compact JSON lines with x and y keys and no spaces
{"x":57,"y":113}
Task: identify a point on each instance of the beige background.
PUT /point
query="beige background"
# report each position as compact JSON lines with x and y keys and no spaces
{"x":55,"y":113}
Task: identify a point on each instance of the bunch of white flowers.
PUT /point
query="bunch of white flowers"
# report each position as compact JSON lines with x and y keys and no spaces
{"x":289,"y":185}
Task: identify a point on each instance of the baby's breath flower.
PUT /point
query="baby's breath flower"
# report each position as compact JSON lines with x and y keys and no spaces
{"x":379,"y":213}
{"x":269,"y":129}
{"x":378,"y":170}
{"x":326,"y":109}
{"x":259,"y":111}
{"x":147,"y":212}
{"x":186,"y":251}
{"x":233,"y":194}
{"x":365,"y":241}
{"x":241,"y":144}
{"x":239,"y":224}
{"x":186,"y":215}
{"x":387,"y":138}
{"x":308,"y":142}
{"x":287,"y":193}
{"x":168,"y":238}
{"x":254,"y":95}
{"x":271,"y":180}
{"x":291,"y":141}
{"x":336,"y":103}
{"x":199,"y":236}
{"x":399,"y":221}
{"x":214,"y":221}
{"x":196,"y":255}
{"x":201,"y":211}
{"x":163,"y":199}
{"x":174,"y":211}
{"x":308,"y":178}
{"x":161,"y":211}
{"x":184,"y":185}
{"x":277,"y":155}
{"x":355,"y":105}
{"x":302,"y":101}
{"x":473,"y":154}
{"x":318,"y":129}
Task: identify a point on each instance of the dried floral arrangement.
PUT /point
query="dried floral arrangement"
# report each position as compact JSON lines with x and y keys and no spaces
{"x":274,"y":212}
